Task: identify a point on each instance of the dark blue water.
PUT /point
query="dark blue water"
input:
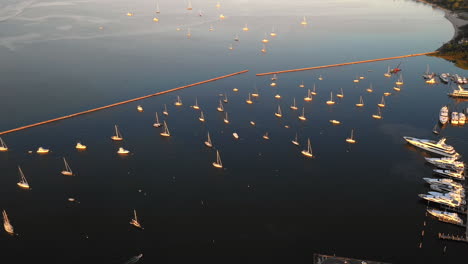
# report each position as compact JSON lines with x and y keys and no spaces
{"x":268,"y":203}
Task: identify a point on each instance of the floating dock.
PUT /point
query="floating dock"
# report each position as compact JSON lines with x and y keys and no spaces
{"x":121,"y":103}
{"x":326,"y":259}
{"x":453,"y":237}
{"x":346,"y":63}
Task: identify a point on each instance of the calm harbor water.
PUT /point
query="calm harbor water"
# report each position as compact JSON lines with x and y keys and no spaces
{"x":269,"y":203}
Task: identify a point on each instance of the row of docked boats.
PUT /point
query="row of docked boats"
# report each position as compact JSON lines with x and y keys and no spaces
{"x":456,"y":118}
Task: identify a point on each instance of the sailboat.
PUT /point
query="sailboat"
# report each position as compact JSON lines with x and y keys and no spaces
{"x":3,"y":146}
{"x":295,"y":141}
{"x":434,"y":129}
{"x":236,"y":38}
{"x":304,"y":21}
{"x":189,"y":33}
{"x":202,"y":117}
{"x":340,"y":95}
{"x":6,"y":223}
{"x":331,"y":102}
{"x":166,"y":132}
{"x":302,"y":117}
{"x":42,"y":150}
{"x":255,"y":93}
{"x":245,"y":28}
{"x":122,"y":151}
{"x":308,"y":98}
{"x":226,"y":120}
{"x":220,"y":107}
{"x":225,"y":100}
{"x":208,"y":142}
{"x":196,"y":107}
{"x":265,"y":136}
{"x":134,"y":221}
{"x":217,"y":163}
{"x":211,"y":27}
{"x":308,"y":152}
{"x":117,"y":136}
{"x":157,"y":124}
{"x":351,"y":139}
{"x":278,"y":96}
{"x":370,"y":89}
{"x":252,"y":123}
{"x":165,"y":112}
{"x":397,"y":88}
{"x":189,"y":5}
{"x":313,"y":91}
{"x":278,"y":113}
{"x":274,"y":77}
{"x":67,"y":171}
{"x":80,"y":146}
{"x":273,"y":32}
{"x":400,"y":80}
{"x":382,"y":103}
{"x":265,"y":40}
{"x":301,"y":85}
{"x":249,"y":101}
{"x":157,"y":8}
{"x":378,"y":115}
{"x":293,"y":106}
{"x":361,"y":102}
{"x":178,"y":102}
{"x":388,"y":74}
{"x":263,"y":50}
{"x":23,"y":183}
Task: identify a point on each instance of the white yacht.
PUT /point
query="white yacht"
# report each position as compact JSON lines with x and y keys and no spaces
{"x":178,"y":102}
{"x":361,"y":102}
{"x":450,"y":173}
{"x":42,"y":150}
{"x":454,"y":119}
{"x":249,"y":100}
{"x":445,"y":200}
{"x":3,"y":146}
{"x":331,"y":102}
{"x":140,"y":108}
{"x":202,"y":117}
{"x":226,"y":120}
{"x":447,"y":188}
{"x":443,"y":115}
{"x":165,"y":112}
{"x":461,"y":92}
{"x":302,"y":117}
{"x":446,"y":216}
{"x":122,"y":151}
{"x":351,"y":139}
{"x":196,"y":107}
{"x":437,"y":147}
{"x":220,"y":107}
{"x":265,"y":136}
{"x":447,"y":163}
{"x":444,"y":181}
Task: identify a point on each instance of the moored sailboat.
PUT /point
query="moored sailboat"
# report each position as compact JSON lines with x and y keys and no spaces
{"x":302,"y":117}
{"x":361,"y":102}
{"x":134,"y":221}
{"x":166,"y":132}
{"x":118,"y":135}
{"x":23,"y":183}
{"x":308,"y":152}
{"x":208,"y":142}
{"x":293,"y":106}
{"x":351,"y":139}
{"x":217,"y":164}
{"x":67,"y":171}
{"x":157,"y":124}
{"x":3,"y":146}
{"x":278,"y":113}
{"x":295,"y":141}
{"x":331,"y":102}
{"x":6,"y":223}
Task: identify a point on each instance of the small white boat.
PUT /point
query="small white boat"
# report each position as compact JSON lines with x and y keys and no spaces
{"x":308,"y":98}
{"x":356,"y":80}
{"x":166,"y":132}
{"x":378,"y":115}
{"x":454,"y":119}
{"x":211,"y":28}
{"x":231,"y":47}
{"x":361,"y":102}
{"x":23,"y":183}
{"x":249,"y":100}
{"x":118,"y":135}
{"x":155,"y":19}
{"x":3,"y":146}
{"x":273,"y":32}
{"x":134,"y":221}
{"x":225,"y":100}
{"x":226,"y":120}
{"x":302,"y":117}
{"x":157,"y":8}
{"x":122,"y":151}
{"x":293,"y":106}
{"x":235,"y":135}
{"x":236,"y":38}
{"x":208,"y":142}
{"x":217,"y":163}
{"x":278,"y":96}
{"x":196,"y":107}
{"x":295,"y":141}
{"x":431,"y":81}
{"x":278,"y":112}
{"x":245,"y":28}
{"x":255,"y":93}
{"x":157,"y":124}
{"x":308,"y":152}
{"x":265,"y":136}
{"x":382,"y":103}
{"x":235,"y":90}
{"x":274,"y":77}
{"x":139,"y":108}
{"x":42,"y":150}
{"x":6,"y":223}
{"x":67,"y":171}
{"x":320,"y":78}
{"x":265,"y":39}
{"x":335,"y":122}
{"x":130,"y":14}
{"x":252,"y":123}
{"x":370,"y":89}
{"x":314,"y":92}
{"x":80,"y":146}
{"x":340,"y":95}
{"x":443,"y":115}
{"x":218,"y":5}
{"x":189,"y":33}
{"x":202,"y":117}
{"x":301,"y":85}
{"x":331,"y":102}
{"x":461,"y":118}
{"x":351,"y":139}
{"x":387,"y":93}
{"x":220,"y":107}
{"x":304,"y":21}
{"x":178,"y":102}
{"x":397,"y":88}
{"x":165,"y":112}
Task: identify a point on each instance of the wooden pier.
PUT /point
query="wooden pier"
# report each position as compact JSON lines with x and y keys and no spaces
{"x":453,"y":237}
{"x":121,"y":103}
{"x":346,"y":63}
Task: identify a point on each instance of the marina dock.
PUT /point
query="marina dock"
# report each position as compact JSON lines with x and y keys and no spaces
{"x":121,"y":103}
{"x":326,"y":259}
{"x":453,"y":237}
{"x":346,"y":63}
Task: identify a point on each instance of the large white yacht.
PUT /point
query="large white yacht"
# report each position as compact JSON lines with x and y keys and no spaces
{"x":446,"y":216}
{"x":444,"y":182}
{"x":450,"y":173}
{"x":443,"y":116}
{"x":441,"y":199}
{"x":437,"y":147}
{"x":447,"y":163}
{"x":461,"y":92}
